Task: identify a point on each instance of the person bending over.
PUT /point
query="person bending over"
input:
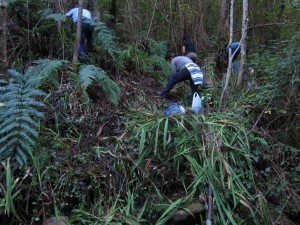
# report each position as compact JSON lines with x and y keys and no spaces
{"x":87,"y":29}
{"x":183,"y":68}
{"x":235,"y":46}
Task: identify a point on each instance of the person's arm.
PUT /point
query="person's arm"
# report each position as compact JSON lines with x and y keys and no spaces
{"x":183,"y":50}
{"x":70,"y":13}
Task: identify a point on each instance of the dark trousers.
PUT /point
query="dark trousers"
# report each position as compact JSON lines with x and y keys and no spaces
{"x":87,"y":31}
{"x":183,"y":75}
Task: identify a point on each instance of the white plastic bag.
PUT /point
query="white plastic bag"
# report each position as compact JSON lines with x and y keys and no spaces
{"x":197,"y":103}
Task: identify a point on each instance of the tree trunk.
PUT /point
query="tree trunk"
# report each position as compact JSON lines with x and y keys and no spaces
{"x":228,"y":74}
{"x":96,"y":10}
{"x":3,"y":40}
{"x":58,"y":10}
{"x":78,"y":35}
{"x":224,"y":22}
{"x":243,"y":44}
{"x":113,"y":11}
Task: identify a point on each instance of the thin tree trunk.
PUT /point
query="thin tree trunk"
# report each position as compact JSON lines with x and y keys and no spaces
{"x":3,"y":40}
{"x":243,"y":44}
{"x":224,"y":22}
{"x":78,"y":35}
{"x":228,"y":74}
{"x":96,"y":10}
{"x":113,"y":11}
{"x":58,"y":10}
{"x":151,"y":21}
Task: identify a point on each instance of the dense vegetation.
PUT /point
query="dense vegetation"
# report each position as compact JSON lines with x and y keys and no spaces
{"x":89,"y":144}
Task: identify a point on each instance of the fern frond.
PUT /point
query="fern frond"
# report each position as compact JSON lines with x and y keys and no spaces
{"x":17,"y":77}
{"x":19,"y":126}
{"x":26,"y":138}
{"x":20,"y":156}
{"x":111,"y":89}
{"x":45,"y":12}
{"x":7,"y":137}
{"x":158,"y":48}
{"x":106,"y":37}
{"x":19,"y":111}
{"x":27,"y":111}
{"x":44,"y":69}
{"x":87,"y":75}
{"x":58,"y":17}
{"x":90,"y":73}
{"x":3,"y":82}
{"x":34,"y":93}
{"x":20,"y":119}
{"x":5,"y":151}
{"x":14,"y":141}
{"x":140,"y":35}
{"x":163,"y":65}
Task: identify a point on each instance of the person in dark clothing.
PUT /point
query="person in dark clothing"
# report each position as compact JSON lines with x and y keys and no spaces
{"x":189,"y":49}
{"x":87,"y":29}
{"x":183,"y":68}
{"x":235,"y":46}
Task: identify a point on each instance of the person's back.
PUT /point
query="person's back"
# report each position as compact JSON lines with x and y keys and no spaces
{"x":87,"y":29}
{"x":183,"y":68}
{"x":74,"y":13}
{"x":235,"y":48}
{"x":179,"y":62}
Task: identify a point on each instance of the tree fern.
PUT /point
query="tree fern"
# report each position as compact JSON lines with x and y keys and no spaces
{"x":45,"y":69}
{"x":158,"y":52}
{"x":158,"y":48}
{"x":90,"y":73}
{"x":58,"y":17}
{"x":106,"y":37}
{"x":20,"y":110}
{"x":163,"y":65}
{"x":141,"y":62}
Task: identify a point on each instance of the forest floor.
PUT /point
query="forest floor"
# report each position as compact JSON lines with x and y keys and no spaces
{"x":138,"y":92}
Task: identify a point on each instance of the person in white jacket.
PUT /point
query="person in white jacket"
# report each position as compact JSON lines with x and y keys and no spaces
{"x":87,"y":29}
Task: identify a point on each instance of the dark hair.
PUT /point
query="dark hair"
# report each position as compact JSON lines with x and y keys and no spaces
{"x":186,"y":38}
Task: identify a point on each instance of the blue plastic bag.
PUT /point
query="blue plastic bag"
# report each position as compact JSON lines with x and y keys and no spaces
{"x":173,"y":109}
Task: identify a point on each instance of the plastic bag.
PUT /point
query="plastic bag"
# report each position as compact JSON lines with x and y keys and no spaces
{"x":174,"y":108}
{"x":197,"y":103}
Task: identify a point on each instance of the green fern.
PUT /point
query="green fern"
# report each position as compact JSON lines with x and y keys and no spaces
{"x":162,"y":64}
{"x":58,"y":17}
{"x":44,"y":70}
{"x":158,"y":48}
{"x":106,"y":37}
{"x":139,"y":61}
{"x":90,"y":73}
{"x":20,"y":110}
